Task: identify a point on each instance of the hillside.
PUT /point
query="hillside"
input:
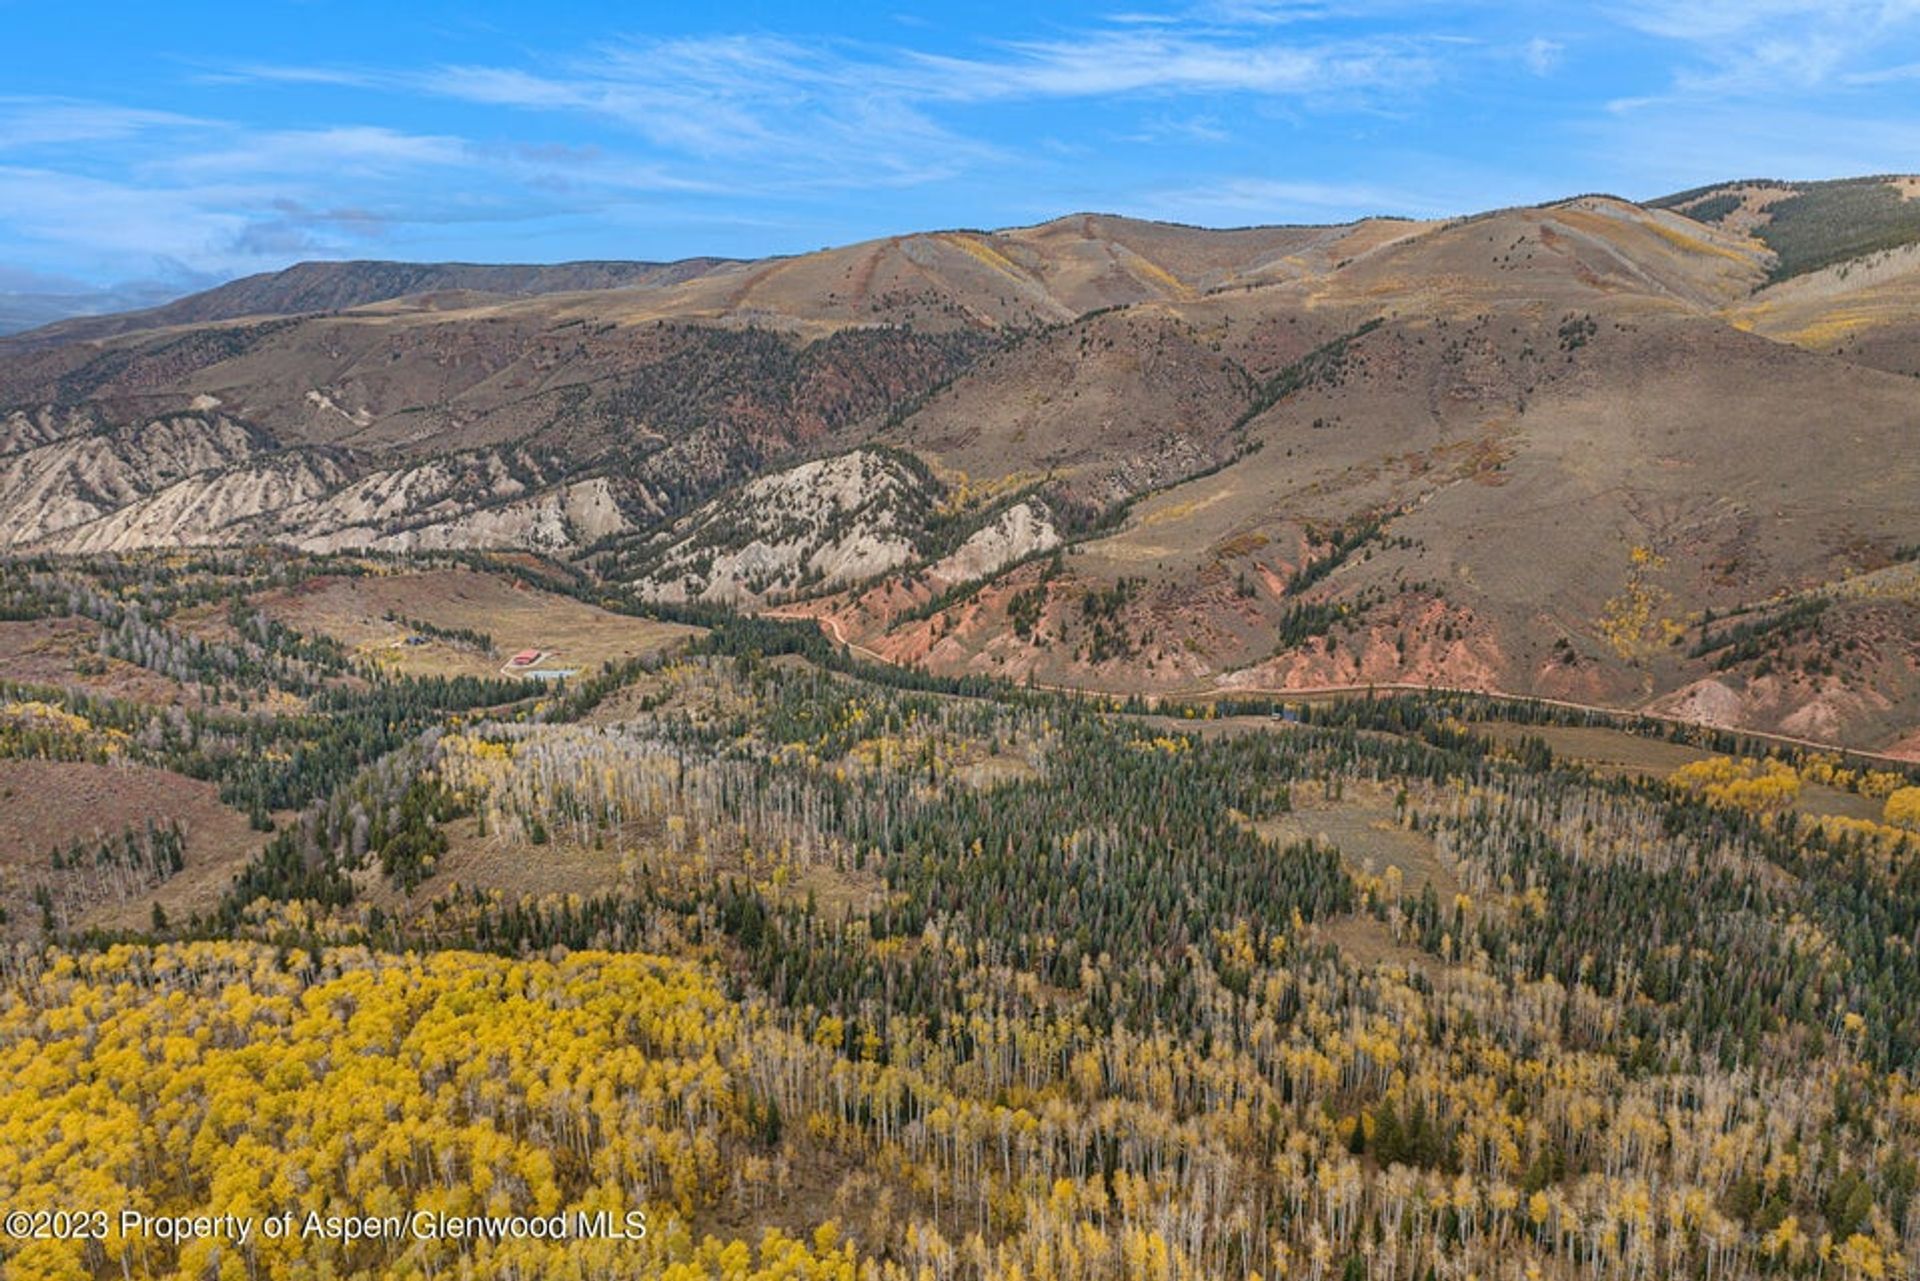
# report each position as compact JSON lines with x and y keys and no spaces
{"x":796,"y":966}
{"x":338,"y":286}
{"x":1811,"y":225}
{"x":1560,"y":451}
{"x":1096,"y":752}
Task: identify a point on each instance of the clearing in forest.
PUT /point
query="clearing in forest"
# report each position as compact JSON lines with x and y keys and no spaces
{"x":474,"y":621}
{"x":49,"y":805}
{"x":1363,"y":826}
{"x":1617,"y":752}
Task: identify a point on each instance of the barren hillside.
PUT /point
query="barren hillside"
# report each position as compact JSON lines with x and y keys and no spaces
{"x":1633,"y":455}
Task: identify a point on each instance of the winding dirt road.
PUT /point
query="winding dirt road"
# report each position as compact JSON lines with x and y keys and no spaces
{"x":833,"y":629}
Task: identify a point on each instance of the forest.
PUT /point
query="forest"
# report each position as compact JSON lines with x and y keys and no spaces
{"x":841,"y":971}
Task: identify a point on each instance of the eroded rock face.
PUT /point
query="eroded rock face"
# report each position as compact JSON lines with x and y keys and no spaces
{"x":823,"y":524}
{"x":1560,"y":451}
{"x":201,"y":479}
{"x":67,"y":473}
{"x":1018,"y":532}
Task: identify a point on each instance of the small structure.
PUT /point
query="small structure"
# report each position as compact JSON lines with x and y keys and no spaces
{"x":525,"y":658}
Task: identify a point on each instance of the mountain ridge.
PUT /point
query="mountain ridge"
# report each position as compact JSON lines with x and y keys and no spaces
{"x":335,"y":284}
{"x":1545,"y":449}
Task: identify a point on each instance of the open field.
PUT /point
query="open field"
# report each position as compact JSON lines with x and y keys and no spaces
{"x":609,"y":864}
{"x":476,"y":858}
{"x":1616,"y":752}
{"x":1367,"y":942}
{"x":570,"y":634}
{"x":46,"y":805}
{"x":1362,"y":825}
{"x":63,"y":651}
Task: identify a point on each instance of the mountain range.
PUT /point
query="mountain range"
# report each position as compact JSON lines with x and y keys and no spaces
{"x":1654,"y":455}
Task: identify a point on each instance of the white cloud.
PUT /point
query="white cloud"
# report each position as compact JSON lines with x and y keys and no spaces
{"x":1203,"y":130}
{"x":341,"y":151}
{"x":291,"y":73}
{"x":797,"y":115}
{"x":1158,"y":61}
{"x":1883,"y":75}
{"x":1761,"y":47}
{"x":852,"y":114}
{"x":37,"y":122}
{"x":117,"y":220}
{"x":1711,"y":20}
{"x":224,"y":199}
{"x":1256,"y":13}
{"x":1542,"y":56}
{"x":1272,"y":200}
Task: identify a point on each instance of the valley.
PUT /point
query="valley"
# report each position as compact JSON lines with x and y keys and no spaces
{"x":1556,"y":452}
{"x":1104,"y":749}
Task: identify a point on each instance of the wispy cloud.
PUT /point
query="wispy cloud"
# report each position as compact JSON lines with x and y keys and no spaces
{"x":120,"y":220}
{"x":38,"y":121}
{"x":1714,"y":20}
{"x":290,"y":74}
{"x":1769,"y":46}
{"x":1883,"y":75}
{"x":1271,"y":200}
{"x":347,"y":152}
{"x":1542,"y":56}
{"x":1256,"y":13}
{"x":1167,"y":62}
{"x":133,"y":188}
{"x":1198,"y":130}
{"x":850,"y":114}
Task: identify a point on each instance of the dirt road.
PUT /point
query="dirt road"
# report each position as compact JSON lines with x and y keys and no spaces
{"x":833,"y":629}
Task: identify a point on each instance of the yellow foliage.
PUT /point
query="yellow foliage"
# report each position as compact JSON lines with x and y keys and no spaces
{"x":1765,"y":786}
{"x":1625,"y":618}
{"x":1882,"y":834}
{"x":1699,"y":244}
{"x":979,"y":249}
{"x":1155,"y":272}
{"x":1878,"y":783}
{"x":1861,"y":1256}
{"x":1829,"y":330}
{"x":46,"y":716}
{"x":1903,"y":808}
{"x":205,"y":1075}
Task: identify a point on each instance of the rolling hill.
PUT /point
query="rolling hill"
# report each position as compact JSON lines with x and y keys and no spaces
{"x":336,"y":286}
{"x":1657,"y":456}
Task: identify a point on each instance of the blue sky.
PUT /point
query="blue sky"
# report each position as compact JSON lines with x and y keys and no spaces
{"x":188,"y":142}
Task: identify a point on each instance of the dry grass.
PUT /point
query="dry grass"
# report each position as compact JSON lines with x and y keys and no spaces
{"x":506,"y":862}
{"x":1616,"y":752}
{"x":571,"y":634}
{"x":52,"y":651}
{"x":1363,"y":827}
{"x":45,"y":805}
{"x":991,"y":771}
{"x":1368,"y":942}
